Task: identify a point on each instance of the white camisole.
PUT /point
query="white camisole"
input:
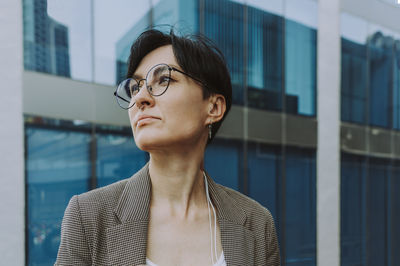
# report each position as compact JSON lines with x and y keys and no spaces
{"x":221,"y":261}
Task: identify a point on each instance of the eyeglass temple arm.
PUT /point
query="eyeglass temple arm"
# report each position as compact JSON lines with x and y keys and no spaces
{"x":190,"y":76}
{"x":115,"y":94}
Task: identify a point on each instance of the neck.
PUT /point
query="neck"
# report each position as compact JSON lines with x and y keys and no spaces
{"x":178,"y":182}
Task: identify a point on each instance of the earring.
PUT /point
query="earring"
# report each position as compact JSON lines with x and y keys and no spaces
{"x":209,"y":131}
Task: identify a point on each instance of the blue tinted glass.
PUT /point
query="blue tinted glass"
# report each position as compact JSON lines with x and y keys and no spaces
{"x":264,"y":171}
{"x":117,"y":158}
{"x":353,"y":81}
{"x":56,"y":37}
{"x":265,"y":45}
{"x":394,"y":217}
{"x":222,"y":162}
{"x":352,"y":208}
{"x":396,"y":86}
{"x":300,"y":68}
{"x":380,"y":54}
{"x":223,"y":23}
{"x":58,"y":167}
{"x":300,"y":207}
{"x":376,"y":212}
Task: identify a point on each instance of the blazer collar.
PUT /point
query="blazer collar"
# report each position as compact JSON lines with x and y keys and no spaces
{"x":127,"y":242}
{"x":134,"y":202}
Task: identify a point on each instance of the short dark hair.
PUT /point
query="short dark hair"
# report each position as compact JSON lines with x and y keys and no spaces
{"x":196,"y":54}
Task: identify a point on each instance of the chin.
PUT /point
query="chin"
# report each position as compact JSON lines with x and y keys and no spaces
{"x":148,"y":142}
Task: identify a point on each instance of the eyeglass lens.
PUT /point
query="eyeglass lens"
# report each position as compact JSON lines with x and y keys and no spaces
{"x":157,"y":81}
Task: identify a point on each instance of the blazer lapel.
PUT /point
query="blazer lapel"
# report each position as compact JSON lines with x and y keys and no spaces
{"x":238,"y":243}
{"x":127,"y":241}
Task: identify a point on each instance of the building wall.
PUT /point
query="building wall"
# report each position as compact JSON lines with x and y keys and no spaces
{"x":328,"y":151}
{"x":12,"y":182}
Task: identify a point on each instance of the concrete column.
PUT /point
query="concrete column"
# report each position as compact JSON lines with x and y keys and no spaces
{"x":12,"y":221}
{"x":328,"y":151}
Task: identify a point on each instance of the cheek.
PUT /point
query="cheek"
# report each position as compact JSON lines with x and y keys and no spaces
{"x":187,"y":117}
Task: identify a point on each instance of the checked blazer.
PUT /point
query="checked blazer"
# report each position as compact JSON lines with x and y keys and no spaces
{"x":108,"y":226}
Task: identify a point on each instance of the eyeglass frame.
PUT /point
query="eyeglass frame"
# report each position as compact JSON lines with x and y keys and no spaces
{"x":170,"y":68}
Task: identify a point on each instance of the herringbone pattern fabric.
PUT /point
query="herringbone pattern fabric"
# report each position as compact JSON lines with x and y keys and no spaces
{"x":108,"y":226}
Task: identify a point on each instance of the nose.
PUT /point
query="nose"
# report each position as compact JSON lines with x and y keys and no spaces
{"x":143,"y":97}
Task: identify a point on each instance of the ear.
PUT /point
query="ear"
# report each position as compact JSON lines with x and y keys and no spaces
{"x":216,"y":108}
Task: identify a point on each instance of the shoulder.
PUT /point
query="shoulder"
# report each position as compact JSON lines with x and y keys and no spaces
{"x":103,"y":199}
{"x":257,"y":216}
{"x":260,"y":222}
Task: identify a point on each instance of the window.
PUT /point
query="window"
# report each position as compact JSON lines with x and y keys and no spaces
{"x":369,"y":211}
{"x":66,"y":158}
{"x":228,"y":153}
{"x":57,"y":167}
{"x":354,"y":81}
{"x":380,"y":51}
{"x":265,"y":48}
{"x":300,"y":198}
{"x":223,"y":23}
{"x":354,"y":68}
{"x":301,"y":56}
{"x":264,"y":174}
{"x":370,"y":89}
{"x":353,"y":182}
{"x":394,"y":216}
{"x":117,"y":158}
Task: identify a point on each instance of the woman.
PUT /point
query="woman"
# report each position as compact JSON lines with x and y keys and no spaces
{"x":171,"y":212}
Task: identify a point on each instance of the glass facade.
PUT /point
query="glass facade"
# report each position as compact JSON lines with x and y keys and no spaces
{"x":370,"y":71}
{"x":117,"y":157}
{"x":369,"y":96}
{"x":57,"y":167}
{"x":271,"y":54}
{"x":73,"y":39}
{"x":369,"y":209}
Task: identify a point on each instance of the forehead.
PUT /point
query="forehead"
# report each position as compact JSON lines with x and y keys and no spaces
{"x":163,"y":54}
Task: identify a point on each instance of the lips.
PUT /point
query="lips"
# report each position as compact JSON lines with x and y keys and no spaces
{"x":144,"y":119}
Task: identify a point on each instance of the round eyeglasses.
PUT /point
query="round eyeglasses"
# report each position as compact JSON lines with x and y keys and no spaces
{"x":157,"y":82}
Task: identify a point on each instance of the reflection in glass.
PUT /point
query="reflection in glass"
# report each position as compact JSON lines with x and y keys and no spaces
{"x":163,"y":14}
{"x":300,"y":56}
{"x":56,"y":37}
{"x":271,"y":6}
{"x":224,"y":24}
{"x":300,"y":68}
{"x":117,"y":158}
{"x":116,"y":24}
{"x":228,"y":153}
{"x":369,"y":211}
{"x":396,"y":85}
{"x":354,"y":81}
{"x":300,"y":224}
{"x":394,"y":215}
{"x":380,"y":54}
{"x":58,"y":167}
{"x":376,"y":54}
{"x":46,"y":40}
{"x":265,"y":44}
{"x":378,"y":173}
{"x":352,"y":210}
{"x":264,"y":173}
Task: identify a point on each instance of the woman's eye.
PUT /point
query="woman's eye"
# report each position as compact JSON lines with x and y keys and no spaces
{"x":135,"y":89}
{"x":164,"y":80}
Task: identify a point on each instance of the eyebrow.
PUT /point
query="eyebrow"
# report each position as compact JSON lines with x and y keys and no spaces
{"x":136,"y":77}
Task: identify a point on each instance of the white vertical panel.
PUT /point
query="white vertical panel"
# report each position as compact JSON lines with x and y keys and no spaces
{"x":328,"y":150}
{"x":12,"y":246}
